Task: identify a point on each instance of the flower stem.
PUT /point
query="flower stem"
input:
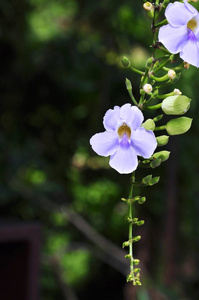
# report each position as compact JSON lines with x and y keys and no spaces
{"x":131,"y":231}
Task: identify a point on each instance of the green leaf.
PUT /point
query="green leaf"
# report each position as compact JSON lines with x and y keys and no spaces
{"x":178,"y":126}
{"x":149,"y":124}
{"x":176,"y":105}
{"x":162,"y":140}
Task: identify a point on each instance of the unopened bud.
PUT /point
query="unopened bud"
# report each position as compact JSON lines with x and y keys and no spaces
{"x":125,"y":61}
{"x":148,"y":6}
{"x":136,"y":238}
{"x":177,"y":92}
{"x":136,"y":262}
{"x":186,"y":65}
{"x":171,"y":74}
{"x":147,"y":88}
{"x":142,"y":200}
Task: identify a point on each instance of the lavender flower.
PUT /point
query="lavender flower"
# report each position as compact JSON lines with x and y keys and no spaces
{"x":181,"y":35}
{"x":124,"y":138}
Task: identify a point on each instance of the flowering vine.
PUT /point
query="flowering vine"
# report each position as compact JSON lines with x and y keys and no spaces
{"x":128,"y":139}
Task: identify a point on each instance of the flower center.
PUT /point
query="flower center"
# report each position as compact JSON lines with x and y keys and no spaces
{"x":192,"y":24}
{"x":124,"y":129}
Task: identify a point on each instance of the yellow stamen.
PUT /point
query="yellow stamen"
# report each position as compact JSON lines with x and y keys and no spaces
{"x":192,"y":24}
{"x":124,"y":129}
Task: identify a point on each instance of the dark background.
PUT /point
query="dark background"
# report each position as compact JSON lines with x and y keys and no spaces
{"x":60,"y":71}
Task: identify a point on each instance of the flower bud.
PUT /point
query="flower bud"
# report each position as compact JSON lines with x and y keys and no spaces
{"x":186,"y":65}
{"x":162,"y":140}
{"x":149,"y":124}
{"x":142,"y":200}
{"x":163,"y":155}
{"x":148,"y":6}
{"x":147,"y":88}
{"x":136,"y":262}
{"x":171,"y":74}
{"x":136,"y":238}
{"x":175,"y":105}
{"x":178,"y":126}
{"x":155,"y":163}
{"x":128,"y":84}
{"x":125,"y":61}
{"x":177,"y":92}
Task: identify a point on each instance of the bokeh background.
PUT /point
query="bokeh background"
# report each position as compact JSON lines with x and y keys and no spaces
{"x":60,"y":71}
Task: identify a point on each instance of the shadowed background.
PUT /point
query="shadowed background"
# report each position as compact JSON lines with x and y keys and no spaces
{"x":60,"y":71}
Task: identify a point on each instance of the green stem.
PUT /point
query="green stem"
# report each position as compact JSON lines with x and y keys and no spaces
{"x":164,"y":22}
{"x":159,"y":79}
{"x":131,"y":229}
{"x":137,"y":71}
{"x":163,"y":127}
{"x":164,"y":63}
{"x":153,"y":107}
{"x":132,"y":97}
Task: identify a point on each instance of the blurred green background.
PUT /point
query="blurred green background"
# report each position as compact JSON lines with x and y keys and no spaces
{"x":60,"y":71}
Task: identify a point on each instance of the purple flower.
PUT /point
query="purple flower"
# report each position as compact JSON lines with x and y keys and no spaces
{"x":181,"y":35}
{"x":124,"y":138}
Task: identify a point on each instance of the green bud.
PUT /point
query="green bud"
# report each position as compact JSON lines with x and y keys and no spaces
{"x":135,"y":220}
{"x":149,"y":124}
{"x":145,"y":162}
{"x":125,"y":244}
{"x":140,"y":223}
{"x":147,"y":179}
{"x":162,"y":155}
{"x":136,"y":270}
{"x":142,"y":200}
{"x":128,"y":256}
{"x":125,"y":61}
{"x":162,"y":140}
{"x":158,"y":118}
{"x":136,"y":262}
{"x":155,"y":163}
{"x":154,"y":181}
{"x":149,"y":62}
{"x":128,"y":84}
{"x":176,"y":105}
{"x":178,"y":126}
{"x":136,"y":238}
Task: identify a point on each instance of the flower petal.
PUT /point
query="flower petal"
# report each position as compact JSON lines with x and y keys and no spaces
{"x":178,"y":14}
{"x":105,"y":143}
{"x":131,"y":115}
{"x":111,"y":118}
{"x":144,"y":142}
{"x":190,"y":53}
{"x":124,"y":160}
{"x":173,"y":38}
{"x":190,"y":7}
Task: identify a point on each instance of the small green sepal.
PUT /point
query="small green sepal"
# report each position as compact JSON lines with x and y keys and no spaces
{"x":158,"y":118}
{"x":176,"y":105}
{"x":149,"y":124}
{"x":178,"y":126}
